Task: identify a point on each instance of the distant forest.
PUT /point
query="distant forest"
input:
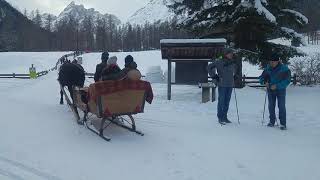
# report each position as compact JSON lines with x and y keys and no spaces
{"x":18,"y":33}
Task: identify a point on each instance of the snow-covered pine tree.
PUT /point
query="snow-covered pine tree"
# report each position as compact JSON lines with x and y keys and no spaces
{"x":37,"y":19}
{"x":251,"y":23}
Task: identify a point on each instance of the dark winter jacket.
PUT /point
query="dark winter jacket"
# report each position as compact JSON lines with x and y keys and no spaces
{"x":110,"y":73}
{"x":99,"y":68}
{"x":279,"y":76}
{"x":226,"y":71}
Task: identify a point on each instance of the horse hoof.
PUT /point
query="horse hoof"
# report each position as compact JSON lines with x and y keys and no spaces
{"x":61,"y":102}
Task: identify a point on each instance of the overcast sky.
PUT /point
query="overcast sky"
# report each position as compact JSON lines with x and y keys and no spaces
{"x":121,"y":8}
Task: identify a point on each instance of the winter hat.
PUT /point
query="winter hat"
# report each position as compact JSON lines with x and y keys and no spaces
{"x":132,"y":65}
{"x":112,"y":60}
{"x":105,"y":56}
{"x":128,"y":60}
{"x":274,"y":57}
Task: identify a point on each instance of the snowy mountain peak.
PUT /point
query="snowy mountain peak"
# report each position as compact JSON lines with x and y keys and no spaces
{"x":154,"y":11}
{"x":79,"y":12}
{"x":71,"y":5}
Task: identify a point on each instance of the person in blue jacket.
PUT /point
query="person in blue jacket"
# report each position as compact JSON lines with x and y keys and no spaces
{"x":276,"y":76}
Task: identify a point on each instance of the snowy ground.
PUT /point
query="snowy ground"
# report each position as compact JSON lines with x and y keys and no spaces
{"x":19,"y":62}
{"x":39,"y":139}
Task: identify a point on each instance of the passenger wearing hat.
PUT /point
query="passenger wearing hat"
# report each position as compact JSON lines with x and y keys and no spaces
{"x":276,"y":76}
{"x":130,"y":70}
{"x":226,"y":69}
{"x":112,"y":60}
{"x":112,"y":70}
{"x":101,"y":66}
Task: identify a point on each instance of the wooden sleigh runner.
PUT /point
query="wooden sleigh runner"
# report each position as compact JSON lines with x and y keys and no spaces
{"x":112,"y":102}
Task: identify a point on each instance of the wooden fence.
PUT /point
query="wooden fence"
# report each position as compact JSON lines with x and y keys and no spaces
{"x":254,"y":81}
{"x":21,"y":76}
{"x":39,"y":74}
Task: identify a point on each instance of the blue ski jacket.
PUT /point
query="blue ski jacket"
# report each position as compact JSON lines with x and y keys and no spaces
{"x":279,"y":76}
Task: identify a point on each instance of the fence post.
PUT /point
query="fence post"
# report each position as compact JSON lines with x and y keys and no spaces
{"x":14,"y":75}
{"x":294,"y":79}
{"x":244,"y":80}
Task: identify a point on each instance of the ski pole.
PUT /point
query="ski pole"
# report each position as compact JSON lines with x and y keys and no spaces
{"x":235,"y":96}
{"x":264,"y":107}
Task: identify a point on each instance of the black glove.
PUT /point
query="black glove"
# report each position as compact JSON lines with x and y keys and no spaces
{"x":216,"y":77}
{"x":266,"y":77}
{"x":236,"y":77}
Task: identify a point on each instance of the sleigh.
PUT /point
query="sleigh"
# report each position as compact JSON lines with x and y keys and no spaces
{"x":112,"y":102}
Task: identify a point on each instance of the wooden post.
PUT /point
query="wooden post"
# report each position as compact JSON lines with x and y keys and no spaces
{"x":244,"y":80}
{"x":169,"y":79}
{"x":205,"y":94}
{"x":295,"y":79}
{"x":14,"y":75}
{"x":213,"y":98}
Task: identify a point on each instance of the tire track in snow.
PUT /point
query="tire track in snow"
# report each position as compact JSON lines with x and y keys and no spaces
{"x":26,"y":168}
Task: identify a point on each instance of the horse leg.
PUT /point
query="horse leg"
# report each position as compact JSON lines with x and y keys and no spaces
{"x":73,"y":103}
{"x":70,"y":92}
{"x":61,"y":97}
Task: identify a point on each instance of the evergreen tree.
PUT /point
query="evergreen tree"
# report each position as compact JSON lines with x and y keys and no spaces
{"x":25,"y":12}
{"x":48,"y":23}
{"x":101,"y":35}
{"x":37,"y":19}
{"x":138,"y":41}
{"x":252,"y":23}
{"x":88,"y":31}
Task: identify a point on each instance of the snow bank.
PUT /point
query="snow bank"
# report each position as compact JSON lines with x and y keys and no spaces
{"x":155,"y":74}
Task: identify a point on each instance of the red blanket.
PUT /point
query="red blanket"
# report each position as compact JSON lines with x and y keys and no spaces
{"x":108,"y":87}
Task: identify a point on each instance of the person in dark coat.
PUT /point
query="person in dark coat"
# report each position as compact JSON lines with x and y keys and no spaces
{"x":111,"y":72}
{"x":276,"y":76}
{"x":130,"y":65}
{"x":101,"y":66}
{"x":226,"y":68}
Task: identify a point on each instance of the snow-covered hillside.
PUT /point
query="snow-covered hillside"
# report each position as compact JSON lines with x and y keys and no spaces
{"x":154,"y":11}
{"x":39,"y":138}
{"x":79,"y":12}
{"x":44,"y":18}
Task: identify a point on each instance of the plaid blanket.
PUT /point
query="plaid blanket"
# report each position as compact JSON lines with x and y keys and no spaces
{"x":108,"y":87}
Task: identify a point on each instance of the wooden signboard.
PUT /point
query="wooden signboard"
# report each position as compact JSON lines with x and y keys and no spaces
{"x":191,"y":49}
